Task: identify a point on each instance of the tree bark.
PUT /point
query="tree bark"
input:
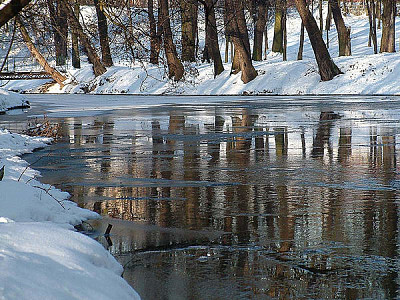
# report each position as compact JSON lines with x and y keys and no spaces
{"x":238,"y":31}
{"x":284,"y":16}
{"x":277,"y":43}
{"x":155,"y":39}
{"x":321,"y":19}
{"x":326,"y":66}
{"x":259,"y":28}
{"x":372,"y":25}
{"x":76,"y":60}
{"x":212,"y":36}
{"x":189,"y":10}
{"x":175,"y":67}
{"x":59,"y":25}
{"x":388,"y":26}
{"x":103,"y":34}
{"x":38,"y":56}
{"x":301,"y":43}
{"x":342,"y":30}
{"x":98,"y":66}
{"x":11,"y":9}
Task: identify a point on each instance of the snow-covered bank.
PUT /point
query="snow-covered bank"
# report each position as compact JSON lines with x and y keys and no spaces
{"x":10,"y":100}
{"x":41,"y":257}
{"x":363,"y":72}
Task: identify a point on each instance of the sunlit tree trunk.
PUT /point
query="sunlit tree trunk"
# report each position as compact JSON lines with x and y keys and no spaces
{"x":342,"y":30}
{"x":277,"y":43}
{"x":212,"y":46}
{"x":237,"y":29}
{"x":38,"y":56}
{"x":175,"y":67}
{"x":326,"y":66}
{"x":388,"y":26}
{"x":189,"y":29}
{"x":259,"y":28}
{"x":103,"y":34}
{"x":98,"y":67}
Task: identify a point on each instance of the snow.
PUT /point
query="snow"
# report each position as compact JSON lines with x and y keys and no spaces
{"x":10,"y":100}
{"x":41,"y":256}
{"x":363,"y":72}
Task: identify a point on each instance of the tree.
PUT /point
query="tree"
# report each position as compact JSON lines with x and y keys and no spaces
{"x":237,"y":30}
{"x":76,"y":62}
{"x":277,"y":43}
{"x":11,"y":9}
{"x":372,"y":24}
{"x":103,"y":34}
{"x":211,"y":49}
{"x":175,"y":67}
{"x":342,"y":30}
{"x":388,"y":26}
{"x":155,"y":35}
{"x":98,"y":66}
{"x":38,"y":56}
{"x":326,"y":66}
{"x":260,"y":20}
{"x":189,"y":29}
{"x":58,"y":20}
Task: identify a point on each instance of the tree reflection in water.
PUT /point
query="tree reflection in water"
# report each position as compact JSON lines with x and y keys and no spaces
{"x":300,"y":207}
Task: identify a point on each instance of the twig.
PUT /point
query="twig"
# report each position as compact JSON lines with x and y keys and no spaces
{"x":47,"y":192}
{"x":19,"y":178}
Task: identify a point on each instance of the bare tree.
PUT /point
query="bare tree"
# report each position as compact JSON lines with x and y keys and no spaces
{"x":175,"y":67}
{"x":327,"y":68}
{"x":342,"y":30}
{"x":103,"y":34}
{"x":11,"y":9}
{"x":388,"y":26}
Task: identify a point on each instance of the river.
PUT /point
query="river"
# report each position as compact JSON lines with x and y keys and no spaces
{"x":233,"y":197}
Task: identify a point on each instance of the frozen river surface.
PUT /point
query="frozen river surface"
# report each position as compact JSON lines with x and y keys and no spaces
{"x":233,"y":197}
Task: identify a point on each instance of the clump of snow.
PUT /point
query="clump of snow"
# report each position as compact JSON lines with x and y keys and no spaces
{"x":41,"y":257}
{"x":43,"y":261}
{"x":10,"y":100}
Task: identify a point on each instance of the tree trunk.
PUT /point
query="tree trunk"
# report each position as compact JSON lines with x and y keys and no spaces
{"x":212,"y":36}
{"x":266,"y":46}
{"x":189,"y":28}
{"x":379,"y":13}
{"x":259,"y":28}
{"x":11,"y":9}
{"x":76,"y":59}
{"x":277,"y":43}
{"x":38,"y":56}
{"x":326,"y":66}
{"x":321,"y":18}
{"x":372,"y":25}
{"x":237,"y":29}
{"x":9,"y":47}
{"x":98,"y":67}
{"x":388,"y":26}
{"x":155,"y":40}
{"x":342,"y":30}
{"x":103,"y":35}
{"x":175,"y":67}
{"x":59,"y":25}
{"x":284,"y":16}
{"x":301,"y":43}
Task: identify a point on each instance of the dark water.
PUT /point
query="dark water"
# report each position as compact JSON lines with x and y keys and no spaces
{"x":261,"y":199}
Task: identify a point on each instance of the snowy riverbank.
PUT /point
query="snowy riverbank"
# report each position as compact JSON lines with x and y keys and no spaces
{"x":41,"y":256}
{"x":363,"y":72}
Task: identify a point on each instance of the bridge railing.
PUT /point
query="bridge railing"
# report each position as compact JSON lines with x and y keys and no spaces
{"x":14,"y":64}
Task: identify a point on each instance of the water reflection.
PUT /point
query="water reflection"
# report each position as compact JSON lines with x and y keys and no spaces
{"x":285,"y":203}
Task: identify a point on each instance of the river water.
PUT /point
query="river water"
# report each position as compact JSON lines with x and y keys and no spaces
{"x":240,"y":198}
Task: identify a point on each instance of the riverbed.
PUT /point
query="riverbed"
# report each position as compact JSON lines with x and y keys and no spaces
{"x":239,"y":197}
